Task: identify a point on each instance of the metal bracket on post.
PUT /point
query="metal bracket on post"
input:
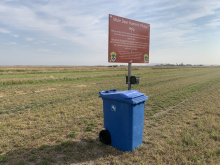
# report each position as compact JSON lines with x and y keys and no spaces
{"x":129,"y":76}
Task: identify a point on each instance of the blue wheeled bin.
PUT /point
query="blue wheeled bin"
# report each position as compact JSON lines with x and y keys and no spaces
{"x":123,"y":118}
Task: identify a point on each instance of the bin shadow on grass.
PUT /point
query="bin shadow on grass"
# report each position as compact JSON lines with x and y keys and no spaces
{"x":65,"y":153}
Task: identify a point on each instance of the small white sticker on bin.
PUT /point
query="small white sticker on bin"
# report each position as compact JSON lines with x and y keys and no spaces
{"x":113,"y":107}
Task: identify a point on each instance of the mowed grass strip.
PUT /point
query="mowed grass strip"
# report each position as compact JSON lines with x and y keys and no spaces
{"x":49,"y":123}
{"x":184,"y":135}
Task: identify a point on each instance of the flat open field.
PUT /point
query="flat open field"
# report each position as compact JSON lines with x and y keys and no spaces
{"x":53,"y":115}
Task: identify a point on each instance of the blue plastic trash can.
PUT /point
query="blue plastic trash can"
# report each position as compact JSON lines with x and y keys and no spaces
{"x":123,"y":118}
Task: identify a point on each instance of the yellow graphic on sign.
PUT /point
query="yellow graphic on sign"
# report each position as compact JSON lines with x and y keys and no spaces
{"x":113,"y":56}
{"x":146,"y":59}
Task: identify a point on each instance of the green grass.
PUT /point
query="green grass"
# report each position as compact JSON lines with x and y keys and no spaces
{"x":3,"y":159}
{"x":53,"y":115}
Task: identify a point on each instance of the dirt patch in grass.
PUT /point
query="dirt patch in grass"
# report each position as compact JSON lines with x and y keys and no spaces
{"x":20,"y":93}
{"x":82,"y":86}
{"x":43,"y":90}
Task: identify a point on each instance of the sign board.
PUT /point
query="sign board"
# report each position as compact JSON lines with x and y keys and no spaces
{"x":128,"y":40}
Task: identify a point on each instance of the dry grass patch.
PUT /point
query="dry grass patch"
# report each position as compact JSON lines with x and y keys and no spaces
{"x":57,"y":120}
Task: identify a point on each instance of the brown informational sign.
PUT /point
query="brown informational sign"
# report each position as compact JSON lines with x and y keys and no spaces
{"x":128,"y":40}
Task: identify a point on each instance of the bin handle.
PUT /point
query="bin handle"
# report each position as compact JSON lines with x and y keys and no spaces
{"x":107,"y":91}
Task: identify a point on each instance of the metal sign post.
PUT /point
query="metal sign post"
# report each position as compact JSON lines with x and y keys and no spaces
{"x":129,"y":76}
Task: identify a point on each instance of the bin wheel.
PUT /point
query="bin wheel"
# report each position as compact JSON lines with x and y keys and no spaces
{"x":105,"y":137}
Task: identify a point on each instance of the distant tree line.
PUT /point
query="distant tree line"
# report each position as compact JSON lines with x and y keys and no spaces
{"x":181,"y":64}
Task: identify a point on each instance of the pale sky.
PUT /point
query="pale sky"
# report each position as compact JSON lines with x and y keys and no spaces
{"x":75,"y":32}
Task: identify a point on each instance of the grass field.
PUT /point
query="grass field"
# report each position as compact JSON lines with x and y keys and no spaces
{"x":53,"y":115}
